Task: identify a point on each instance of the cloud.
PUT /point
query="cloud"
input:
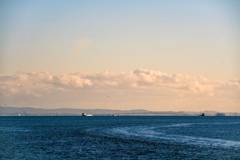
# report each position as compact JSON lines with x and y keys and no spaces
{"x":138,"y":79}
{"x":37,"y":84}
{"x":81,"y":45}
{"x":133,"y":88}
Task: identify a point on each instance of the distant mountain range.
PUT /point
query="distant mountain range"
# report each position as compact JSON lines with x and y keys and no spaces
{"x":27,"y":111}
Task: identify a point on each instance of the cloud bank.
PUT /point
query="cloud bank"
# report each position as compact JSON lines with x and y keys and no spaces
{"x":141,"y":88}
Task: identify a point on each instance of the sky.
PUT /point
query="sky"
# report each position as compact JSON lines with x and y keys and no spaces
{"x":155,"y":55}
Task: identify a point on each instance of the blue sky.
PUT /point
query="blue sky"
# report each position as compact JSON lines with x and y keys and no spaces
{"x":63,"y":37}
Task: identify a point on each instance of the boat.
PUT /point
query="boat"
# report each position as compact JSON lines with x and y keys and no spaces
{"x":85,"y":114}
{"x":202,"y":114}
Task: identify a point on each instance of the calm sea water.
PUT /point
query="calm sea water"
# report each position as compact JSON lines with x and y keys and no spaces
{"x":120,"y":137}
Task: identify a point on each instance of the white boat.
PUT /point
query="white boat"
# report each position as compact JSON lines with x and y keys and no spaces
{"x":85,"y":114}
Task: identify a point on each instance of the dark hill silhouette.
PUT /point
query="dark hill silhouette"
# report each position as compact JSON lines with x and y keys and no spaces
{"x":28,"y":111}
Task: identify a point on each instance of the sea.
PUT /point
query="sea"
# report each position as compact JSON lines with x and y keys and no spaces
{"x":120,"y":137}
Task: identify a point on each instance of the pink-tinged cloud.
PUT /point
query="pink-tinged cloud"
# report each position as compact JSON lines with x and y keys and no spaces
{"x":148,"y":89}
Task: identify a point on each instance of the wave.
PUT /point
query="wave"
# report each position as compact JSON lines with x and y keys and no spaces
{"x":179,"y":125}
{"x":190,"y":124}
{"x":151,"y":133}
{"x":13,"y":129}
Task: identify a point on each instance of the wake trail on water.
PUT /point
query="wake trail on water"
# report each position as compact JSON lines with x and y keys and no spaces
{"x":150,"y":134}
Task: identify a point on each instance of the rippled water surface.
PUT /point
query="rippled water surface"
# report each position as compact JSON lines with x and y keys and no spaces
{"x":120,"y":137}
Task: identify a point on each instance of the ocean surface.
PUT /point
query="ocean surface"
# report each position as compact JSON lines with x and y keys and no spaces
{"x":123,"y":137}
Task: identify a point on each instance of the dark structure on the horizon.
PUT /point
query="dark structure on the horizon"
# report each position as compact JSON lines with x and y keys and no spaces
{"x":202,"y":114}
{"x":220,"y":114}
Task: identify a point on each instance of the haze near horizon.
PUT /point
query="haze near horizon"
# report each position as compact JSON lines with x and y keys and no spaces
{"x":154,"y":55}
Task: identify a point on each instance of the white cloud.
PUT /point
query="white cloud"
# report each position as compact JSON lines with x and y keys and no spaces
{"x":131,"y":89}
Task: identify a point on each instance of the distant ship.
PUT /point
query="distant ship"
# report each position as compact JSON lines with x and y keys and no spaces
{"x":202,"y":114}
{"x":85,"y":114}
{"x":220,"y":114}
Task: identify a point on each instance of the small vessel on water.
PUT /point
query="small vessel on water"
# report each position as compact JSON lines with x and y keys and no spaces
{"x":85,"y":114}
{"x":202,"y":114}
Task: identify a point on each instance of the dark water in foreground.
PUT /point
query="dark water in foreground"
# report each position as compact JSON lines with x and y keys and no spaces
{"x":120,"y":137}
